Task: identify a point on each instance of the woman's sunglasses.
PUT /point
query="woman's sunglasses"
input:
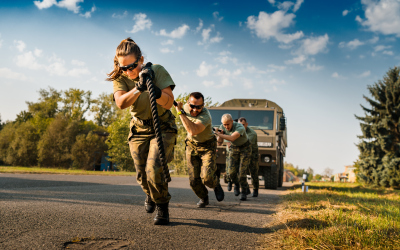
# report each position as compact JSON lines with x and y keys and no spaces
{"x":131,"y":66}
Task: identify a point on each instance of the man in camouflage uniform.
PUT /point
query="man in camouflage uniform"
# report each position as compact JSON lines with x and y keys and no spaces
{"x":201,"y":146}
{"x":239,"y":153}
{"x":253,"y":167}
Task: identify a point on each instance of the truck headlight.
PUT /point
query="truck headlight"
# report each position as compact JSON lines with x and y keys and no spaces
{"x":267,"y":159}
{"x":265,"y":144}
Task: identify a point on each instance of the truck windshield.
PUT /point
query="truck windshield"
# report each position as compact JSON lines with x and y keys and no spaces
{"x":257,"y":119}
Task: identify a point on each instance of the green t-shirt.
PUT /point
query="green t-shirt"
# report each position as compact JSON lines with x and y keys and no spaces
{"x":141,"y":107}
{"x":205,"y":118}
{"x":252,"y":135}
{"x":236,"y":127}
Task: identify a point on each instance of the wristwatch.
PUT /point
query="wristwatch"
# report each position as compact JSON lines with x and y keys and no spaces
{"x":182,"y":112}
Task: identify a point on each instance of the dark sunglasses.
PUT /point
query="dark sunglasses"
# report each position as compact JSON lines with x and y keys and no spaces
{"x":196,"y":106}
{"x":131,"y":66}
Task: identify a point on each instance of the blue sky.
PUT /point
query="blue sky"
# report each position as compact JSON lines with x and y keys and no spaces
{"x":314,"y":58}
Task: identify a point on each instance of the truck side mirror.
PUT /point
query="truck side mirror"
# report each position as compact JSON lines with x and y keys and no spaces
{"x":282,"y":123}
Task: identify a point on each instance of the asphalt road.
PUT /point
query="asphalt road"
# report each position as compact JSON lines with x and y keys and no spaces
{"x":40,"y":211}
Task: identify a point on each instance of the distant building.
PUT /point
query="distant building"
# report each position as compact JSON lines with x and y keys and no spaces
{"x":347,"y":176}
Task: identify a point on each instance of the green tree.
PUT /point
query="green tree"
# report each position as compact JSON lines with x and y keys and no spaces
{"x":76,"y":103}
{"x":22,"y":149}
{"x":47,"y":105}
{"x":118,"y":148}
{"x":317,"y":177}
{"x":104,"y":110}
{"x":7,"y":135}
{"x":379,"y":160}
{"x":54,"y":148}
{"x":88,"y":150}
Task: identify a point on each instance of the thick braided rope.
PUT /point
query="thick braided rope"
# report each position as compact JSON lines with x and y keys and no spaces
{"x":157,"y":129}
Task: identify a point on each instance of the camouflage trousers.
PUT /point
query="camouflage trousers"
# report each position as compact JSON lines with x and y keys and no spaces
{"x":253,"y":168}
{"x":201,"y":161}
{"x":239,"y":160}
{"x":149,"y":171}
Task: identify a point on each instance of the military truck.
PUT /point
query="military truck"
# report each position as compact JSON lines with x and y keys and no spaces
{"x":269,"y":122}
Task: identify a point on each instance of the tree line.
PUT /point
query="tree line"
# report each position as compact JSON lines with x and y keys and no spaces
{"x":55,"y":131}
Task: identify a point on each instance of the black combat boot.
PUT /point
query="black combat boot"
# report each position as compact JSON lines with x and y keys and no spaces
{"x":229,"y":186}
{"x":236,"y":189}
{"x":149,"y":205}
{"x":243,"y":194}
{"x":203,"y":202}
{"x":219,"y":193}
{"x":162,"y":214}
{"x":255,"y":193}
{"x":248,"y":191}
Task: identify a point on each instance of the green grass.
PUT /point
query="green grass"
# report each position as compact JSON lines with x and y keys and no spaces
{"x":37,"y":170}
{"x":337,"y":216}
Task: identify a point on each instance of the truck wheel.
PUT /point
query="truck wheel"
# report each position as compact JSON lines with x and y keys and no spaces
{"x":281,"y":171}
{"x":271,"y":178}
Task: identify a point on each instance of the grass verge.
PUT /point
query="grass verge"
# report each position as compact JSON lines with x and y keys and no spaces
{"x":37,"y":170}
{"x":336,"y":216}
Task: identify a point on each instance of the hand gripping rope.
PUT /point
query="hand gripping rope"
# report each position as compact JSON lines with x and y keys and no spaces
{"x":157,"y":128}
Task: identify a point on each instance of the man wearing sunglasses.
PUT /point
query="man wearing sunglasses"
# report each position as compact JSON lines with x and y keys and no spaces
{"x":239,"y":153}
{"x":201,"y":146}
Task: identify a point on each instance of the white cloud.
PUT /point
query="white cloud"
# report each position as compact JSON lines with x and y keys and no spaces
{"x":271,"y":2}
{"x":204,"y":69}
{"x":77,"y":72}
{"x":352,"y":44}
{"x":168,"y":42}
{"x":208,"y":83}
{"x":275,"y":81}
{"x":277,"y":67}
{"x":1,"y":41}
{"x":9,"y":74}
{"x":373,"y":40}
{"x":166,"y":50}
{"x":217,"y":38}
{"x":313,"y":67}
{"x":297,"y":5}
{"x":381,"y":47}
{"x":20,"y":45}
{"x":335,"y":75}
{"x":237,"y":72}
{"x":71,"y":5}
{"x":365,"y":74}
{"x":176,"y":33}
{"x":224,"y":57}
{"x":345,"y":12}
{"x":247,"y":83}
{"x":141,"y":23}
{"x":314,"y":45}
{"x":359,"y":19}
{"x":180,"y":48}
{"x":200,"y":26}
{"x":38,"y":52}
{"x":88,"y":14}
{"x":45,"y":4}
{"x":382,"y":16}
{"x":28,"y":60}
{"x":206,"y":34}
{"x":268,"y":26}
{"x":285,"y":6}
{"x":123,"y":15}
{"x":78,"y":63}
{"x":297,"y":60}
{"x":388,"y":52}
{"x":217,"y":17}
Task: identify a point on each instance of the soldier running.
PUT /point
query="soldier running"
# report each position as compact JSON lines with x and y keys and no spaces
{"x":253,"y":167}
{"x":201,"y":146}
{"x":130,"y":90}
{"x":239,"y":153}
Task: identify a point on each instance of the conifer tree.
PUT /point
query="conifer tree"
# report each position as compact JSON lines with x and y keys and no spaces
{"x":379,"y":160}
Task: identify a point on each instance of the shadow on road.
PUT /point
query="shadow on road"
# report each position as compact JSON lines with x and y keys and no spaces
{"x":220,"y":225}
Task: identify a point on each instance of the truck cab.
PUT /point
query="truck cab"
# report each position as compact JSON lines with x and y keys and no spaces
{"x":268,"y":120}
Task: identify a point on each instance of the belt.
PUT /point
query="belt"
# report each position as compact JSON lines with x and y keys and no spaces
{"x":246,"y":144}
{"x":202,"y":144}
